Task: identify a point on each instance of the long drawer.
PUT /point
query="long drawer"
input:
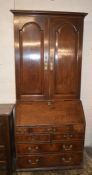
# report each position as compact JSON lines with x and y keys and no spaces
{"x":28,"y":148}
{"x":79,"y":128}
{"x":47,"y":160}
{"x":48,"y":137}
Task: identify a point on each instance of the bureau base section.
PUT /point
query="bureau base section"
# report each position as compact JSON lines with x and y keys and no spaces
{"x":37,"y":162}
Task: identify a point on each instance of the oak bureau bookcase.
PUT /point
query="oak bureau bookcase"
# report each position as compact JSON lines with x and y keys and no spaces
{"x":49,"y":117}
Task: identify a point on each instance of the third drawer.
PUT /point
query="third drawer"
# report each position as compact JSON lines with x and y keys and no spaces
{"x":28,"y":148}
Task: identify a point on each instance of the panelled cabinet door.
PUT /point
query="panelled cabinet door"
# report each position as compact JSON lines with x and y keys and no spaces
{"x":65,"y":57}
{"x":31,"y":43}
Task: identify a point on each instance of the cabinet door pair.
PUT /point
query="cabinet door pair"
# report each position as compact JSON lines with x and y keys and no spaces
{"x":48,"y":57}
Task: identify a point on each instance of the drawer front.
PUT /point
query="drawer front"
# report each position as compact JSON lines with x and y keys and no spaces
{"x":2,"y":131}
{"x":44,"y":148}
{"x":67,"y":136}
{"x":47,"y":129}
{"x":50,"y":129}
{"x":33,"y":138}
{"x":49,"y":160}
{"x":37,"y":138}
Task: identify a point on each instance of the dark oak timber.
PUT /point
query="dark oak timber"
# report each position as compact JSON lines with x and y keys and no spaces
{"x":6,"y":142}
{"x":49,"y":117}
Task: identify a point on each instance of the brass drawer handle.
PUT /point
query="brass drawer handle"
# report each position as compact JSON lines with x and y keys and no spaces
{"x":67,"y":147}
{"x":31,"y":149}
{"x":36,"y":148}
{"x":67,"y":160}
{"x":68,"y":135}
{"x":33,"y":163}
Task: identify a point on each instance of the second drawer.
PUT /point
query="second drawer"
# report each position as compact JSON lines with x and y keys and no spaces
{"x":27,"y":148}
